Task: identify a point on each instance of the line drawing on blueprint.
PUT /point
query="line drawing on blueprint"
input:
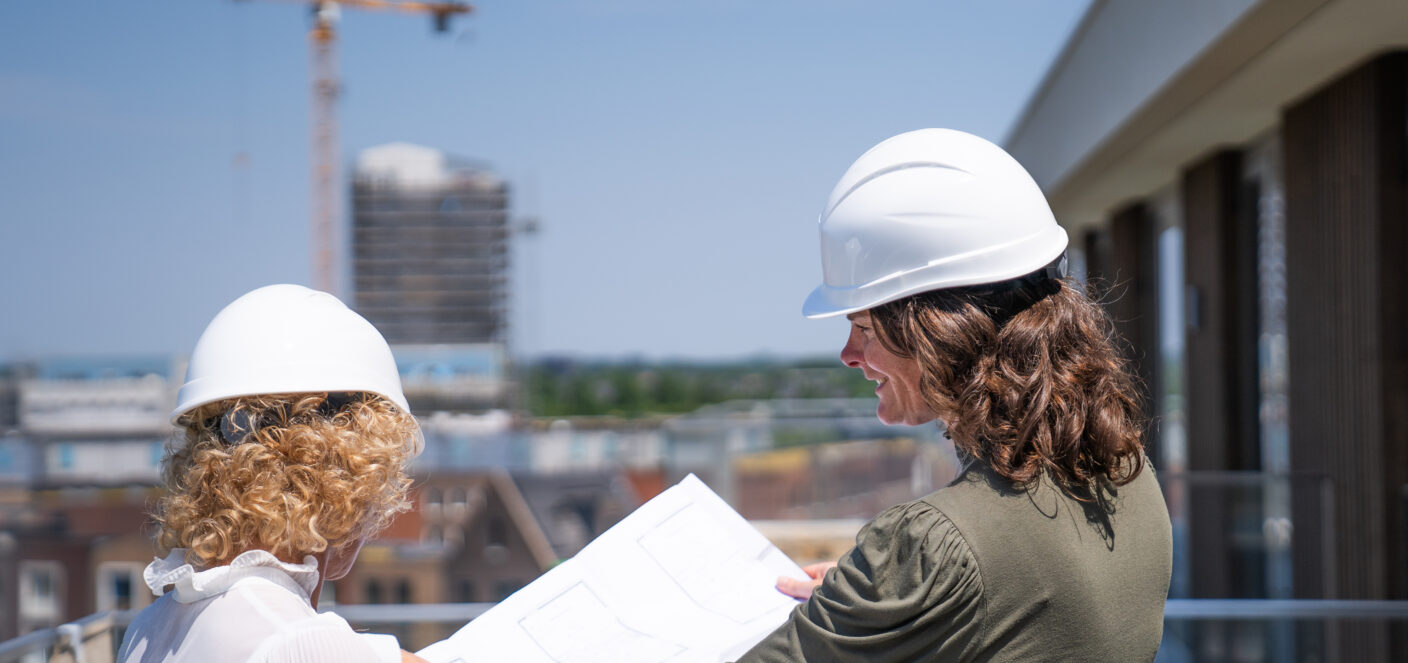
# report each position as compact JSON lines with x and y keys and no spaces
{"x":690,"y":533}
{"x":596,"y":635}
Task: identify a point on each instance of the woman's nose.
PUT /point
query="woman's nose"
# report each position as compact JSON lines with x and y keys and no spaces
{"x":850,"y":352}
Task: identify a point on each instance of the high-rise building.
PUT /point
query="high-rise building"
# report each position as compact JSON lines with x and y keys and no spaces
{"x":429,"y":246}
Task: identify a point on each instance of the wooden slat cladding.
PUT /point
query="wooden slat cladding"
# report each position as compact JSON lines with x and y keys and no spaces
{"x":1096,"y":245}
{"x":1222,"y":388}
{"x":1347,"y":278}
{"x":1220,"y":266}
{"x":1132,"y":284}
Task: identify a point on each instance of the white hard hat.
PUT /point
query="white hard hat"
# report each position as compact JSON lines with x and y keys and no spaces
{"x":925,"y":210}
{"x":288,"y":339}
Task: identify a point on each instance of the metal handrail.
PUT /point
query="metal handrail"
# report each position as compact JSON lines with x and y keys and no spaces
{"x":457,"y":613}
{"x":1258,"y":609}
{"x":75,"y":633}
{"x":14,"y":648}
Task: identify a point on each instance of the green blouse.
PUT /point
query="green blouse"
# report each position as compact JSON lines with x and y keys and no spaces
{"x":981,"y":571}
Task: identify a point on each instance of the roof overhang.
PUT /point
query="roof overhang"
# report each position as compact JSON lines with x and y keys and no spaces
{"x":1125,"y":107}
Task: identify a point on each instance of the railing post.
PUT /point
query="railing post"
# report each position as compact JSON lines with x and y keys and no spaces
{"x":88,"y":640}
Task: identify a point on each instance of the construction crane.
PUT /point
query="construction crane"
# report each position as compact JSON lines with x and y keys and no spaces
{"x":322,"y":40}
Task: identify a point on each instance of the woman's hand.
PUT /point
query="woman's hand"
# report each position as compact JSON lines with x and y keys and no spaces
{"x":408,"y":657}
{"x":802,"y":589}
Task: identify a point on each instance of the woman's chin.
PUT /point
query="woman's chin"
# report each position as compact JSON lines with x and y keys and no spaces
{"x":890,"y":418}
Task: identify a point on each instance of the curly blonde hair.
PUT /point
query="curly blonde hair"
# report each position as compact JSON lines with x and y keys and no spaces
{"x":294,"y":474}
{"x":1028,"y":378}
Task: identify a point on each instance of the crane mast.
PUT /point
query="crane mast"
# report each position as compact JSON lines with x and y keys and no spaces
{"x":324,"y":146}
{"x":322,"y":39}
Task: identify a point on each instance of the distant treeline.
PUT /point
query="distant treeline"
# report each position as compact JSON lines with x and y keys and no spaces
{"x":557,"y":387}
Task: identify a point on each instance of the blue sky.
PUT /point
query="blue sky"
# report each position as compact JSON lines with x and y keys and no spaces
{"x":154,"y":154}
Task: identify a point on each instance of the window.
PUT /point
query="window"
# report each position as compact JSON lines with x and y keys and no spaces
{"x":497,"y":532}
{"x":464,"y":591}
{"x":41,"y":594}
{"x":374,"y":591}
{"x":433,"y":501}
{"x":504,"y":588}
{"x":1175,"y":300}
{"x":403,"y":591}
{"x":117,"y":584}
{"x":455,"y":500}
{"x":121,"y":588}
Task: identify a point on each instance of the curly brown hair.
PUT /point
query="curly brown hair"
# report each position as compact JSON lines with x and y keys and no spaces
{"x":1027,"y":378}
{"x":294,"y":474}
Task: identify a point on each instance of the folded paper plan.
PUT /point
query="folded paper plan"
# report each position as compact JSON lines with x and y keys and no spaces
{"x":684,"y":578}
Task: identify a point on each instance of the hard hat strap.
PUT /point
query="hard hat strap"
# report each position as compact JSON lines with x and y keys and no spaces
{"x":237,"y":424}
{"x":1006,"y":299}
{"x":1047,"y":278}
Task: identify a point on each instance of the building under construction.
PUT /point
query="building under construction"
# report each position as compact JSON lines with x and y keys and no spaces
{"x":429,"y":246}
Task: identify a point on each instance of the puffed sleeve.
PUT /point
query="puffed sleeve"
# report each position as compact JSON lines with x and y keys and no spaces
{"x":909,"y":590}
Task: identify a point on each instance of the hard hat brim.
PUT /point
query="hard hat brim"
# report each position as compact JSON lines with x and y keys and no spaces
{"x":199,"y":392}
{"x":827,"y":301}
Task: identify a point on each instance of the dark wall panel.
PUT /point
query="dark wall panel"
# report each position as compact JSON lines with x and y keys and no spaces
{"x":1132,"y":298}
{"x":1220,"y":267}
{"x":1096,"y":245}
{"x":1347,"y":265}
{"x":1223,"y":396}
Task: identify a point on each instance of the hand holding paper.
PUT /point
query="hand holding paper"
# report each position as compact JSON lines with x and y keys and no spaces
{"x":802,"y":589}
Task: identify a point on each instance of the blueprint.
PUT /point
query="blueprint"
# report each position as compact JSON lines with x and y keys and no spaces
{"x":683,"y":579}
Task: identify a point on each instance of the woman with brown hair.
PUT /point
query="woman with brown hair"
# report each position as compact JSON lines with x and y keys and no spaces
{"x":1054,"y":543}
{"x":294,"y":446}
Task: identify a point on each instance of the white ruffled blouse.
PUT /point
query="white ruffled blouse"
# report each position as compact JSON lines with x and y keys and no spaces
{"x":255,"y":609}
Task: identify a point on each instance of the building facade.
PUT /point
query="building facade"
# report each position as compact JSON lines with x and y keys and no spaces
{"x":430,"y":240}
{"x":1233,"y":176}
{"x":78,"y":467}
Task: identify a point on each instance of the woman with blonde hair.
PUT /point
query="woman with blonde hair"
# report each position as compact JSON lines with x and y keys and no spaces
{"x":1054,"y":543}
{"x":296,"y":436}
